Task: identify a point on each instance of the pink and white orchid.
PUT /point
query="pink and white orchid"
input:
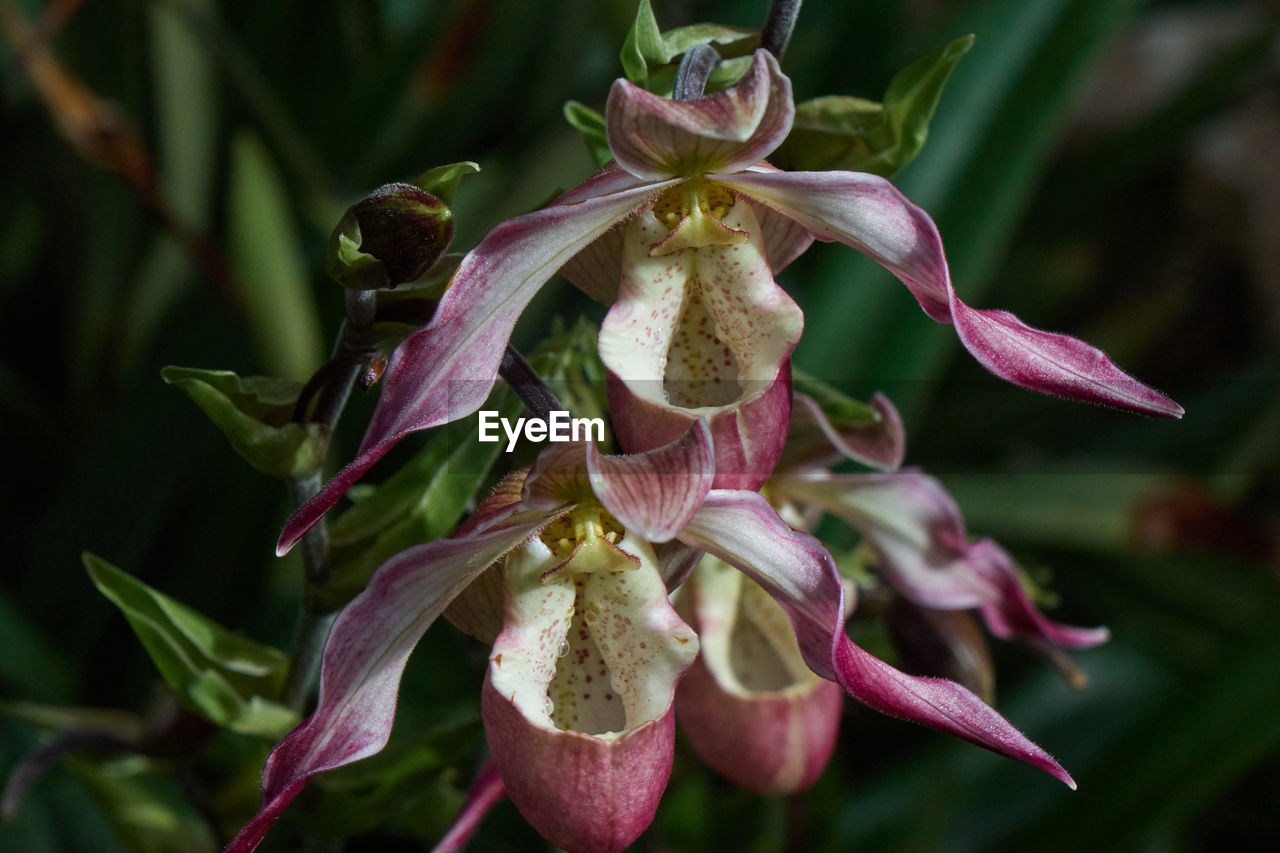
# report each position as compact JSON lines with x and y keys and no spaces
{"x":587,"y":650}
{"x":914,"y":526}
{"x":682,"y":234}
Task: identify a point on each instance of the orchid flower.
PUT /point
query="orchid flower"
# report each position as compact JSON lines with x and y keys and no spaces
{"x":916,"y":529}
{"x":583,"y":598}
{"x":682,"y":234}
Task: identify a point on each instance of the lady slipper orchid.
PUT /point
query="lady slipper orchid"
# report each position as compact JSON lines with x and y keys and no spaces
{"x":682,"y":234}
{"x":916,"y":529}
{"x":750,"y":706}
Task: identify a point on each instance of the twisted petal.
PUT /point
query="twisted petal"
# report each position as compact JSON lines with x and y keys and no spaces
{"x":815,"y":442}
{"x":869,"y":214}
{"x":655,"y":138}
{"x":657,"y":492}
{"x":445,"y":370}
{"x":744,"y":531}
{"x":916,"y":527}
{"x":366,"y":653}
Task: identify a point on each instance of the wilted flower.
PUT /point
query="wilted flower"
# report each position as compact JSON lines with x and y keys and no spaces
{"x":691,"y":334}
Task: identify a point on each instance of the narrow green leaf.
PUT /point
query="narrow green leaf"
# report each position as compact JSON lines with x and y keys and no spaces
{"x":647,"y":50}
{"x":267,"y":258}
{"x":254,"y":414}
{"x":841,"y":132}
{"x":591,"y":125}
{"x":221,"y":674}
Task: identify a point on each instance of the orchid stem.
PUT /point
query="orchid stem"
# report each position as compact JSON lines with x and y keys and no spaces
{"x":778,"y":26}
{"x":692,"y":73}
{"x":331,"y":387}
{"x":528,"y":385}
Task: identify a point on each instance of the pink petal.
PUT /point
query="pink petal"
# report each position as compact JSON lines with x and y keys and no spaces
{"x":744,"y":531}
{"x":750,"y":706}
{"x":814,"y":442}
{"x":445,"y":370}
{"x":486,"y":792}
{"x":365,"y":655}
{"x":656,"y":492}
{"x":916,"y":527}
{"x":869,"y":214}
{"x":580,"y":792}
{"x":655,"y":138}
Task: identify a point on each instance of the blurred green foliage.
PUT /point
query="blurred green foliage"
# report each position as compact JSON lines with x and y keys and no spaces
{"x":1089,"y":168}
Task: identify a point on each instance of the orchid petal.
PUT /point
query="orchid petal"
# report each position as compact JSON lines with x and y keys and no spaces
{"x":815,"y":442}
{"x":750,"y":706}
{"x":702,"y":332}
{"x":656,"y":138}
{"x":869,"y":214}
{"x":744,"y":531}
{"x":656,"y":492}
{"x":486,"y":792}
{"x":365,"y":655}
{"x":578,"y":699}
{"x":917,"y":528}
{"x":445,"y":370}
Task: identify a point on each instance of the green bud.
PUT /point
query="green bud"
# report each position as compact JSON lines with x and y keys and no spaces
{"x":392,"y":236}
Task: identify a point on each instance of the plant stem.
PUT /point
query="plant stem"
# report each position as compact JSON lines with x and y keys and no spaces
{"x":528,"y":385}
{"x":778,"y":26}
{"x":332,"y":388}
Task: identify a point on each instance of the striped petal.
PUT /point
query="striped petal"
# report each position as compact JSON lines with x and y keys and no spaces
{"x":869,"y":214}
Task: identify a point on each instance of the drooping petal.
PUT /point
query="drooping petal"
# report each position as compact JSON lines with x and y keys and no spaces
{"x":815,"y":442}
{"x":702,"y":332}
{"x":917,"y":528}
{"x":486,"y":792}
{"x":365,"y":655}
{"x":869,"y":214}
{"x":750,"y":706}
{"x":656,"y":492}
{"x":744,"y":531}
{"x":655,"y":138}
{"x":445,"y":370}
{"x":578,"y":699}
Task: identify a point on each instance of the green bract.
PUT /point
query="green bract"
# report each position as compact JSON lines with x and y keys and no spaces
{"x":649,"y":55}
{"x":230,"y":680}
{"x":841,"y":132}
{"x":254,"y":414}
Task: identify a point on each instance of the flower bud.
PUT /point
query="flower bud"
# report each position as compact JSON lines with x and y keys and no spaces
{"x":391,"y":237}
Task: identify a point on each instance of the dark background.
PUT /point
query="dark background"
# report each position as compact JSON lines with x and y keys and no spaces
{"x":1105,"y":168}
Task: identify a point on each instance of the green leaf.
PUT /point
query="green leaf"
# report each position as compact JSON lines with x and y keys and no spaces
{"x":225,"y":677}
{"x":254,"y":414}
{"x":591,"y":125}
{"x":265,"y":252}
{"x":841,"y":132}
{"x":148,"y":813}
{"x":442,"y":181}
{"x":647,"y":49}
{"x":842,"y":410}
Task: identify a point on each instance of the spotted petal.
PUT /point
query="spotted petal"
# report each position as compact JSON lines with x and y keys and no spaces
{"x":655,"y":138}
{"x":365,"y":655}
{"x":744,"y":531}
{"x":869,"y":214}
